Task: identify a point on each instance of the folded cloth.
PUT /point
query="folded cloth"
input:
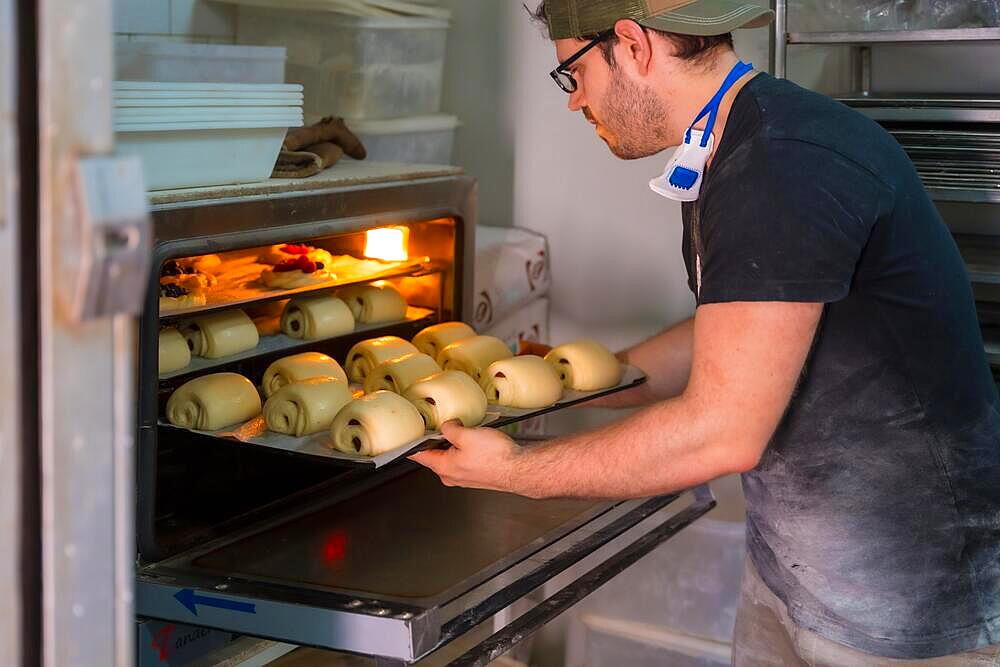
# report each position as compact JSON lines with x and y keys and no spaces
{"x":307,"y":162}
{"x":328,"y":129}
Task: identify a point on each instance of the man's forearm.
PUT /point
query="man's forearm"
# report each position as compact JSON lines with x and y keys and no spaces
{"x":666,"y":361}
{"x":661,"y":449}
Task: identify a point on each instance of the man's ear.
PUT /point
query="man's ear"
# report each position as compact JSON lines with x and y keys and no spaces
{"x":634,"y":46}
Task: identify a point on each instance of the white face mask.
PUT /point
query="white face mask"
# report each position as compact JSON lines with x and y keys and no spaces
{"x":682,"y":179}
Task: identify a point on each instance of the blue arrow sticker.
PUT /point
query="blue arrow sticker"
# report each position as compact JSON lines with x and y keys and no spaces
{"x":192,"y":600}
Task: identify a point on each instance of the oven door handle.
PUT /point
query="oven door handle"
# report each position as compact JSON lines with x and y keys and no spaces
{"x":550,"y":608}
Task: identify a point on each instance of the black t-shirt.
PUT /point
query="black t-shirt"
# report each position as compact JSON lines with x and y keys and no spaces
{"x":875,"y":511}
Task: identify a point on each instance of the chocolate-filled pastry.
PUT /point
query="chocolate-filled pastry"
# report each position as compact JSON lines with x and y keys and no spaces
{"x":315,"y":317}
{"x":473,"y":355}
{"x":368,"y":354}
{"x":447,"y":396}
{"x":374,"y":305}
{"x":585,"y":365}
{"x":375,"y":424}
{"x":174,"y":352}
{"x":306,"y":407}
{"x":218,"y":335}
{"x":436,"y":337}
{"x":526,"y":382}
{"x":398,"y":374}
{"x":212,"y":402}
{"x":300,"y":367}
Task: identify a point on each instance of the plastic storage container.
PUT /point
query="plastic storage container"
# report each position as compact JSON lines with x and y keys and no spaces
{"x":191,"y":134}
{"x":357,"y":67}
{"x":183,"y":155}
{"x":420,"y":139}
{"x":169,"y":61}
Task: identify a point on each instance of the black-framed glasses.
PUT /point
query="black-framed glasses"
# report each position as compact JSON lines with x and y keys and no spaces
{"x":561,"y":74}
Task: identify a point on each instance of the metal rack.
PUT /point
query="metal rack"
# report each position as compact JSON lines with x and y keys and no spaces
{"x":953,"y":140}
{"x":861,"y":41}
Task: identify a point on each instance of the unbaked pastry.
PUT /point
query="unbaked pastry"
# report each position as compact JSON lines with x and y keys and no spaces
{"x":473,"y":355}
{"x":375,"y":424}
{"x":373,"y":305}
{"x":436,"y":337}
{"x":300,"y":367}
{"x":446,"y":396}
{"x":398,"y":374}
{"x":306,"y":407}
{"x":295,"y":273}
{"x":174,"y":352}
{"x":218,"y":335}
{"x":527,"y":382}
{"x":284,"y":252}
{"x":585,"y":365}
{"x":368,"y":354}
{"x":314,"y":317}
{"x":213,"y":401}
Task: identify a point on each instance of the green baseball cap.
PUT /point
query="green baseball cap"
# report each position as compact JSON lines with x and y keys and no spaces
{"x":576,"y":18}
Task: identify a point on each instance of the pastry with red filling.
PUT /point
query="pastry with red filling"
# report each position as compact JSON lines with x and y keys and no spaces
{"x":298,"y":272}
{"x":278,"y":254}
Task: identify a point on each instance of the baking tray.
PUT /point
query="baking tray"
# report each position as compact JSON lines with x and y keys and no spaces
{"x":250,"y":292}
{"x":254,"y":432}
{"x":283,"y":343}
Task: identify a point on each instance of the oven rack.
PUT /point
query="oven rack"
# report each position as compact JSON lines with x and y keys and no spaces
{"x":423,"y":267}
{"x":281,"y":343}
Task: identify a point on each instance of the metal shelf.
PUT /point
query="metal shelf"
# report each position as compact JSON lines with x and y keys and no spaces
{"x":895,"y":36}
{"x":911,"y":108}
{"x":964,"y":196}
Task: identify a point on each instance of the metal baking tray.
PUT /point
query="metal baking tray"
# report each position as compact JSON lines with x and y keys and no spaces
{"x":255,"y":433}
{"x":251,"y":292}
{"x":282,"y":343}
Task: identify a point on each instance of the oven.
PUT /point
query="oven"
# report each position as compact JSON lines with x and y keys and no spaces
{"x":310,"y":550}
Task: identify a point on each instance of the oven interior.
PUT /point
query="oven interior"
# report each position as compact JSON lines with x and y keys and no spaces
{"x":197,"y":488}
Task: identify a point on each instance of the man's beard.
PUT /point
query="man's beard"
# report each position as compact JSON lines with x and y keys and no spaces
{"x":635,"y":119}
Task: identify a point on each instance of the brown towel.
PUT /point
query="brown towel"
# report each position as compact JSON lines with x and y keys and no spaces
{"x":304,"y":163}
{"x":328,"y":129}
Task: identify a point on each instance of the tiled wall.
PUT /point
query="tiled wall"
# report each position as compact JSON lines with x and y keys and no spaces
{"x":175,"y":20}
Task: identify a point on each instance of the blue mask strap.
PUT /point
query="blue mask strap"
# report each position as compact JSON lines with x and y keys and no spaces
{"x":712,"y":108}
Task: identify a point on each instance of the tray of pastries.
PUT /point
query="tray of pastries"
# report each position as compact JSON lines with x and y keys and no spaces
{"x":388,"y":398}
{"x":203,"y":341}
{"x":196,"y":285}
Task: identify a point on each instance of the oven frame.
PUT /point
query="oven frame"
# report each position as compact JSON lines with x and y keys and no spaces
{"x":171,"y":587}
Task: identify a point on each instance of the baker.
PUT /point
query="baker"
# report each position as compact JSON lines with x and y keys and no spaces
{"x":834,"y":358}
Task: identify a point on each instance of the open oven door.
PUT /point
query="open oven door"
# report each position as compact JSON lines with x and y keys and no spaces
{"x":398,"y":566}
{"x":18,"y":533}
{"x":92,"y":258}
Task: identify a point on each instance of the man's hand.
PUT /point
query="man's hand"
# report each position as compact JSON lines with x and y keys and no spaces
{"x":479,"y":458}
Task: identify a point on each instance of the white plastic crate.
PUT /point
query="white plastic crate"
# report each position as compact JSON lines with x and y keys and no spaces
{"x":357,"y":67}
{"x":169,"y":61}
{"x":182,"y":155}
{"x":418,"y":140}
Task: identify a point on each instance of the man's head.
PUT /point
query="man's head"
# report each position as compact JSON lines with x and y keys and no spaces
{"x":649,"y":66}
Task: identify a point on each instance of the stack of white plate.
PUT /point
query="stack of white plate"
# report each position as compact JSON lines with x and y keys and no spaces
{"x":200,"y":134}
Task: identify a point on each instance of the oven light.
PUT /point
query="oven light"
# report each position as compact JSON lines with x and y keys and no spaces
{"x":387,"y":243}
